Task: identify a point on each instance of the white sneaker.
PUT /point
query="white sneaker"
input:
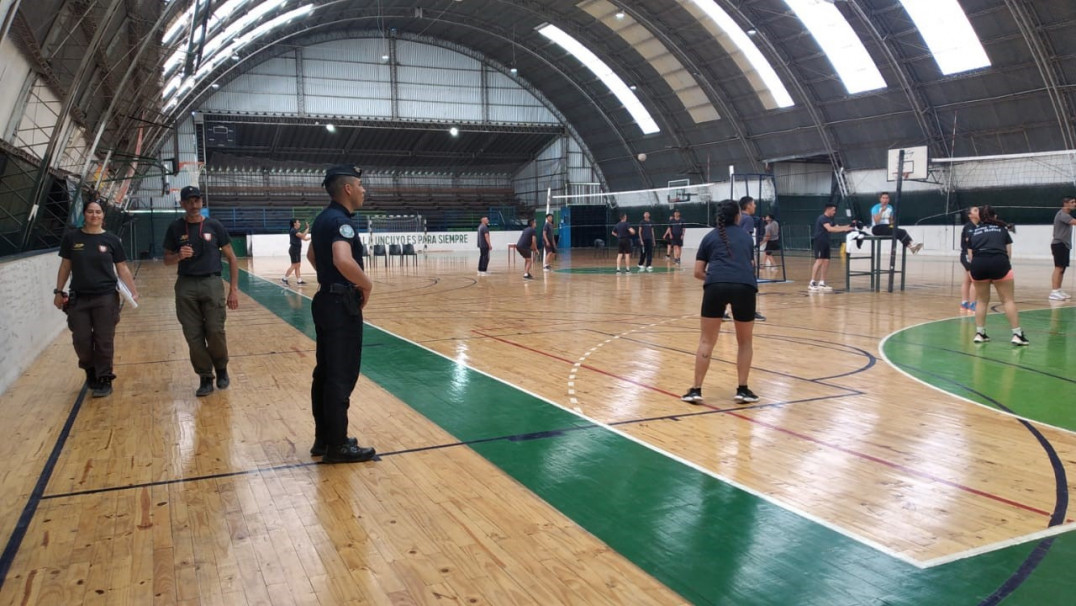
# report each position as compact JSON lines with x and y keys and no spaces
{"x":640,"y":268}
{"x":1065,"y":294}
{"x":915,"y":248}
{"x":483,"y":273}
{"x":822,"y":286}
{"x":813,"y":288}
{"x":649,"y":268}
{"x":1057,"y":295}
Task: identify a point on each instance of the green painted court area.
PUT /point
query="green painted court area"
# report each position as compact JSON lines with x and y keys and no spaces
{"x":707,"y":540}
{"x":1025,"y":380}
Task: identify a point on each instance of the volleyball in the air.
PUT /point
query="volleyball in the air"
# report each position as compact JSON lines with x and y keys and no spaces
{"x":642,"y":157}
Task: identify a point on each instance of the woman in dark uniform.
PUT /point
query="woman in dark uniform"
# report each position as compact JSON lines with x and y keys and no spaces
{"x":295,"y":249}
{"x":723,"y":263}
{"x":991,"y":247}
{"x":92,"y":258}
{"x":966,"y":302}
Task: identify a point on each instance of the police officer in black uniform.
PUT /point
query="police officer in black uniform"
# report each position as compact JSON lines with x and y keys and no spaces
{"x":343,"y":290}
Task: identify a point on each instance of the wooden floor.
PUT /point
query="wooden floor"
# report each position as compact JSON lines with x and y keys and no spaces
{"x":155,"y":496}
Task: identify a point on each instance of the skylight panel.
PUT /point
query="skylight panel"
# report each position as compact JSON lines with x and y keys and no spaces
{"x":948,"y":34}
{"x":604,"y":73}
{"x":843,"y":48}
{"x":744,"y":44}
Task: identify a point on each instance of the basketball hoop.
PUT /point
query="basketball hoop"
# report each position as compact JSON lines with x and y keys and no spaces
{"x":906,"y":175}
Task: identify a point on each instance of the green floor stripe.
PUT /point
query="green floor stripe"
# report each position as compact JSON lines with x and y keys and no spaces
{"x":709,"y":541}
{"x":1027,"y":380}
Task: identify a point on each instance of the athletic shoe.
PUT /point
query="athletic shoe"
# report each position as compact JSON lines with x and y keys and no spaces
{"x":640,"y":268}
{"x":284,"y":280}
{"x":727,"y":317}
{"x":319,"y":447}
{"x":205,"y":388}
{"x":648,"y":268}
{"x":91,"y":378}
{"x":222,"y":379}
{"x":980,"y":337}
{"x":813,"y":288}
{"x":693,"y":395}
{"x":666,"y":256}
{"x":745,"y":395}
{"x":965,"y":306}
{"x":104,"y":386}
{"x":1066,"y":295}
{"x":971,"y":306}
{"x":1057,"y":295}
{"x":822,"y":286}
{"x":760,"y":317}
{"x":1019,"y":339}
{"x":483,"y":273}
{"x":915,"y":248}
{"x":348,"y":453}
{"x":300,"y":282}
{"x":528,"y":277}
{"x":547,"y":268}
{"x":678,"y":261}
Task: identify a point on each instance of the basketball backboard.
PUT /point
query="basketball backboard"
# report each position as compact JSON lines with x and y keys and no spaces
{"x":915,"y":164}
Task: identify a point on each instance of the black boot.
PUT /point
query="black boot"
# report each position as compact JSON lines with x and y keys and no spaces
{"x":222,"y":379}
{"x":205,"y":388}
{"x":348,"y":452}
{"x":103,"y":387}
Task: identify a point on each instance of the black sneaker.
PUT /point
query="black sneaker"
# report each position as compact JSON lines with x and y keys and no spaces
{"x":301,"y":282}
{"x":1019,"y":339}
{"x":528,"y":277}
{"x":745,"y":395}
{"x":727,"y":317}
{"x":102,"y":388}
{"x":693,"y":395}
{"x":760,"y":317}
{"x":319,"y":447}
{"x":348,"y":453}
{"x":205,"y":388}
{"x":222,"y":379}
{"x":284,"y":280}
{"x":980,"y":337}
{"x":91,"y":378}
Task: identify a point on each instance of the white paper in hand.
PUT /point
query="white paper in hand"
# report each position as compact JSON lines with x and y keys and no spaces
{"x":120,"y":286}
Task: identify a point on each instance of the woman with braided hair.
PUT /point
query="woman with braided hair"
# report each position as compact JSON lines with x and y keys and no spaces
{"x":723,"y":263}
{"x":990,"y":247}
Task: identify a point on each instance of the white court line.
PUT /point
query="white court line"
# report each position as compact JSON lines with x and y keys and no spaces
{"x":881,"y":353}
{"x":922,"y":565}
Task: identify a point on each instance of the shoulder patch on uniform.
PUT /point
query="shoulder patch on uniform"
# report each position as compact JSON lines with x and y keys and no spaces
{"x":347,"y":231}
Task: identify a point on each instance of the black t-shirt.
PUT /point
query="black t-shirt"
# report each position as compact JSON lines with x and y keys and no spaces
{"x":334,"y":225}
{"x":990,"y":239}
{"x":621,"y":230}
{"x":482,"y":231}
{"x":731,"y":262}
{"x":965,"y":239}
{"x":294,"y":241}
{"x":93,"y":258}
{"x":676,"y":227}
{"x":205,"y":238}
{"x":547,"y":232}
{"x":524,"y":242}
{"x":646,"y":231}
{"x":820,"y":233}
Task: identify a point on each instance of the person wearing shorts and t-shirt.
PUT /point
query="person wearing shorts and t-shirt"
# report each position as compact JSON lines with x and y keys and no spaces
{"x":674,"y":235}
{"x":723,"y":263}
{"x":623,"y":232}
{"x":526,"y":246}
{"x":1061,"y":247}
{"x":550,"y":242}
{"x":824,"y":225}
{"x":991,"y":247}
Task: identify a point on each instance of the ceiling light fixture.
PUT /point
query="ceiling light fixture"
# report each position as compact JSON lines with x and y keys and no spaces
{"x":331,"y":128}
{"x":455,"y":132}
{"x":620,"y":14}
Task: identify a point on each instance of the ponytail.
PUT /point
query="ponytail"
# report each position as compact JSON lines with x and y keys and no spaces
{"x":987,"y":214}
{"x":726,"y":215}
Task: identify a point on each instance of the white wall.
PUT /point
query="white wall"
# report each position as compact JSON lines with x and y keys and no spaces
{"x":1029,"y":241}
{"x":276,"y":245}
{"x":28,"y":321}
{"x":13,"y":72}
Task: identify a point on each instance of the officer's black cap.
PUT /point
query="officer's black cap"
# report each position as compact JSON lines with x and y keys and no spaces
{"x":344,"y":170}
{"x":190,"y":192}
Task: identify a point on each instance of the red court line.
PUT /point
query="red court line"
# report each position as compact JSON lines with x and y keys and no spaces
{"x":853,"y":453}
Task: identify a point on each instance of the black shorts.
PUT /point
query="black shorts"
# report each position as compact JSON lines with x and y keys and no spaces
{"x":773,"y":245}
{"x":718,"y":295}
{"x":293,"y":252}
{"x":990,"y":267}
{"x":1061,"y":254}
{"x":624,"y":246}
{"x":674,"y":241}
{"x":524,"y":252}
{"x":820,"y":248}
{"x":551,"y":249}
{"x":964,"y":261}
